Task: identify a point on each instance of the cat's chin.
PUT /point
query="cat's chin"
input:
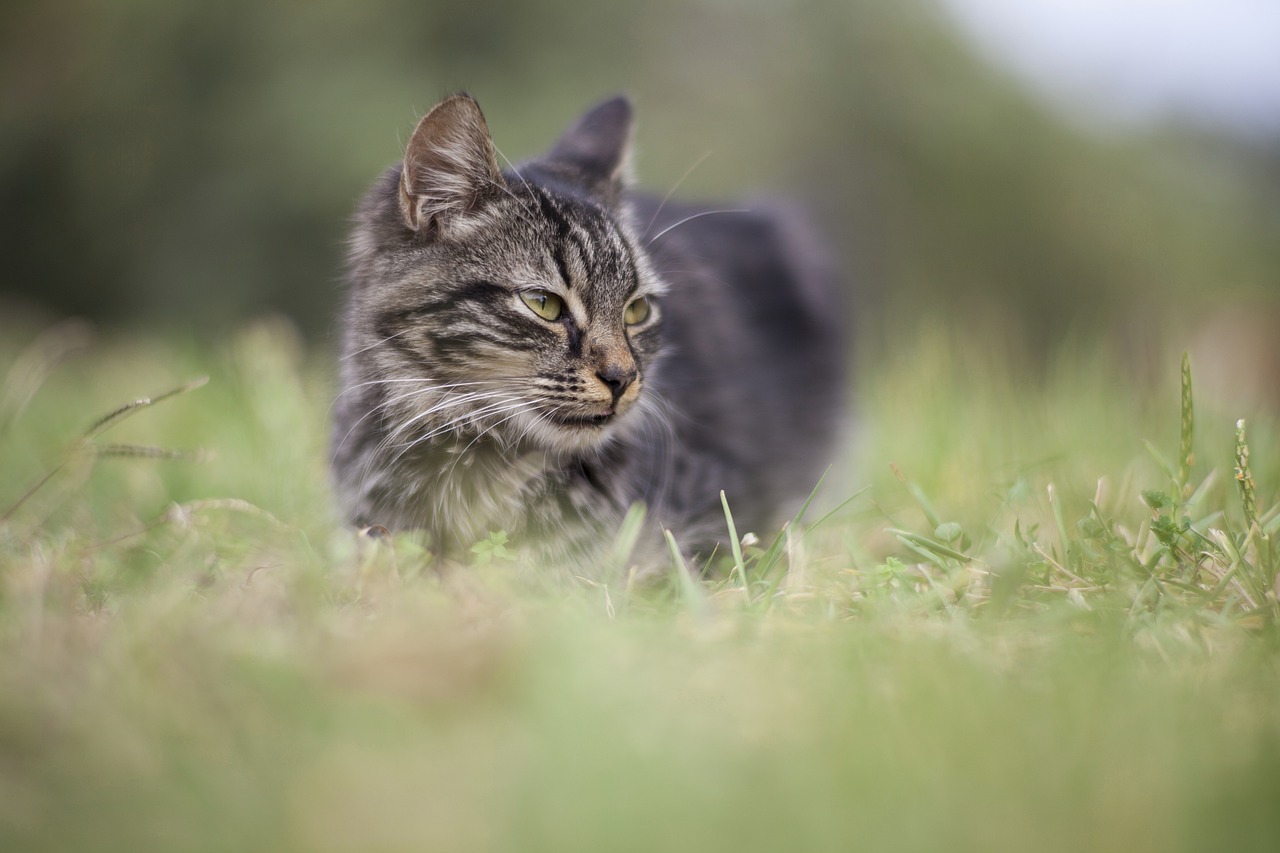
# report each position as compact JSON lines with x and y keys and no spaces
{"x":564,"y":432}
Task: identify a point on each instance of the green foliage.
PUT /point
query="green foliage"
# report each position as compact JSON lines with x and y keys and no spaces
{"x":203,"y":158}
{"x":1027,"y":633}
{"x":1193,"y":555}
{"x":491,"y":547}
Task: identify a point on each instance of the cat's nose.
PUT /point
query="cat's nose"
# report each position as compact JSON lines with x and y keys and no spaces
{"x":616,"y":377}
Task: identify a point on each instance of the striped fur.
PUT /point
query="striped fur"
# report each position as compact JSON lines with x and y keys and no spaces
{"x":463,"y":411}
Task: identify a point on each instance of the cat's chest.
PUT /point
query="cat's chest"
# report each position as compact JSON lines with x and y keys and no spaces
{"x":470,"y":492}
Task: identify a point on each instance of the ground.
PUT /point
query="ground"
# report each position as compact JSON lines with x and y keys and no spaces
{"x":1032,"y":607}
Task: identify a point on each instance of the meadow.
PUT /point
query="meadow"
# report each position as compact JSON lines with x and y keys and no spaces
{"x":1032,"y":607}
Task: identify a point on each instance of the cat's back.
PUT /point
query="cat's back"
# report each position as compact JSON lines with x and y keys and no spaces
{"x":753,"y":372}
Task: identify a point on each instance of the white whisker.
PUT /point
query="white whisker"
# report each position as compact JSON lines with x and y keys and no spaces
{"x":526,"y":212}
{"x":448,"y":403}
{"x":670,"y":192}
{"x":384,"y":405}
{"x":377,"y":343}
{"x":669,"y":228}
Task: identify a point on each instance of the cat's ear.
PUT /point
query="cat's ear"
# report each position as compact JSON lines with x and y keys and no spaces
{"x":597,"y":148}
{"x":449,"y":165}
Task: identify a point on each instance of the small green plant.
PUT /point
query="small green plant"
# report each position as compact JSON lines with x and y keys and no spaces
{"x":492,"y":547}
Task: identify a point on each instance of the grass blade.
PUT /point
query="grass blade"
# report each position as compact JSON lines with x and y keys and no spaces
{"x":114,"y":417}
{"x":1186,"y":432}
{"x":1244,"y":478}
{"x":30,"y":370}
{"x":918,"y":496}
{"x":739,"y":565}
{"x":690,"y":590}
{"x":624,"y":544}
{"x":937,"y":548}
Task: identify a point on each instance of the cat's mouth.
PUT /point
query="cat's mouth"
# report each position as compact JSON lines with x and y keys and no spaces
{"x":583,"y":421}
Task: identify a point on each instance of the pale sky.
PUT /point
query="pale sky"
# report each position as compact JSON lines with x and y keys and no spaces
{"x":1214,"y":61}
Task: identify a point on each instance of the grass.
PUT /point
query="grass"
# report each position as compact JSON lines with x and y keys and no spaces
{"x":1032,"y":631}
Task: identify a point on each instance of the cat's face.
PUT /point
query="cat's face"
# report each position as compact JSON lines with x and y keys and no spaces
{"x":517,"y":307}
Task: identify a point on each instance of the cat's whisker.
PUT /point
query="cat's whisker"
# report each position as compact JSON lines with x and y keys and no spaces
{"x":518,"y":410}
{"x":423,"y":380}
{"x":465,"y":399}
{"x":425,"y":386}
{"x":374,"y":410}
{"x":527,"y":429}
{"x":531,"y":200}
{"x":390,"y":441}
{"x":484,"y":413}
{"x":375,"y":344}
{"x":436,"y":406}
{"x":470,"y":415}
{"x":445,"y":401}
{"x":477,"y":417}
{"x":670,"y":192}
{"x":690,"y":218}
{"x":388,"y":404}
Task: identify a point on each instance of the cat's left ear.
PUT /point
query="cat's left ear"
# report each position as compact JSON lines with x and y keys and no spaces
{"x":597,"y":148}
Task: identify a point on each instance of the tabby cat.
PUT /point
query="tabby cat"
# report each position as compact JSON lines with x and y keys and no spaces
{"x":535,"y":350}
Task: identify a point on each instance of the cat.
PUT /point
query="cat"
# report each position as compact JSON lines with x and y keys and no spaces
{"x":537,"y":349}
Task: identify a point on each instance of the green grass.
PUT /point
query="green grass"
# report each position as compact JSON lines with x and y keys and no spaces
{"x":1009,"y":624}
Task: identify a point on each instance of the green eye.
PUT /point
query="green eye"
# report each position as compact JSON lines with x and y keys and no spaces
{"x":637,"y":312}
{"x":548,"y":306}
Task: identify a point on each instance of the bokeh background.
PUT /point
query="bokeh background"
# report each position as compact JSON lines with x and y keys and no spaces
{"x":1036,"y":172}
{"x":994,"y":644}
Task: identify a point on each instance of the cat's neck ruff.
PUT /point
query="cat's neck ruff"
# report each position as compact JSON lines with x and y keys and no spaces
{"x":464,"y":487}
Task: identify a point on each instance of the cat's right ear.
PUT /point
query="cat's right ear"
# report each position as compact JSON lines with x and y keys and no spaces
{"x":450,"y":166}
{"x":597,"y":148}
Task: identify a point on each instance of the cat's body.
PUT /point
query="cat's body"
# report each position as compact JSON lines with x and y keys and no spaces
{"x":535,"y":351}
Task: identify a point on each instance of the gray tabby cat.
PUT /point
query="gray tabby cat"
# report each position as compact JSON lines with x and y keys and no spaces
{"x":535,"y":350}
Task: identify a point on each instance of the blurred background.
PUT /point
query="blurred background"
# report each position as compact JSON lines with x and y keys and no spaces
{"x":1036,"y":172}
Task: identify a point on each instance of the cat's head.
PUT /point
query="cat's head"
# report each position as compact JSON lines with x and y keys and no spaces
{"x":519,"y":304}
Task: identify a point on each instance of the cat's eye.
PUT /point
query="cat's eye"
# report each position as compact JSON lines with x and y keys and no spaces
{"x":636,"y":312}
{"x":548,"y":306}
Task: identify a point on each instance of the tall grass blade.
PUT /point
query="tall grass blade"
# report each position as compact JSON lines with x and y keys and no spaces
{"x":777,"y":547}
{"x":41,"y":357}
{"x":1244,"y":478}
{"x":624,"y":544}
{"x":835,"y":509}
{"x":141,"y":451}
{"x":1186,"y":433}
{"x":87,"y":452}
{"x":916,"y":541}
{"x":1059,"y":521}
{"x":690,"y":590}
{"x":918,"y":495}
{"x":114,"y":417}
{"x":27,"y":495}
{"x":739,"y":565}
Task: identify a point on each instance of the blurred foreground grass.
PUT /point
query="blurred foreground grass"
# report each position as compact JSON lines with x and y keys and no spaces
{"x":996,"y":644}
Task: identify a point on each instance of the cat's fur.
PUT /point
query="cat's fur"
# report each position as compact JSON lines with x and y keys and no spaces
{"x":463,"y":411}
